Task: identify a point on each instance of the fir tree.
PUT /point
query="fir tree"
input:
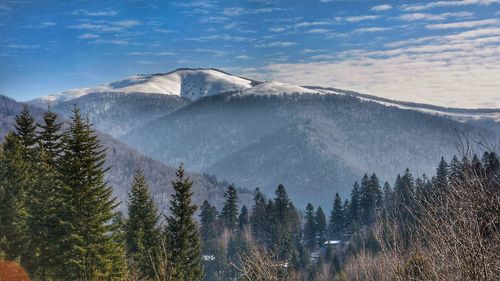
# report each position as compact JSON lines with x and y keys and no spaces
{"x":388,"y":200}
{"x":229,"y":213}
{"x":50,"y":137}
{"x":14,"y":180}
{"x":26,"y":131}
{"x":258,"y":216}
{"x":209,"y":227}
{"x":320,"y":220}
{"x":88,"y":248}
{"x":441,"y":179}
{"x":243,"y":219}
{"x":310,"y":227}
{"x":336,"y":218}
{"x":142,"y":235}
{"x":355,"y":203}
{"x":181,"y":231}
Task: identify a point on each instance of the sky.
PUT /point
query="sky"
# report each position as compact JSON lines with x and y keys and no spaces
{"x":439,"y":52}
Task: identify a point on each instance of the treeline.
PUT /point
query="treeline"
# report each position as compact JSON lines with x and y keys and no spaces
{"x":58,"y":218}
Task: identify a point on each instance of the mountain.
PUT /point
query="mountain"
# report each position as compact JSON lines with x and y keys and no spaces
{"x":187,"y":83}
{"x":314,"y":140}
{"x":314,"y":144}
{"x":124,"y":160}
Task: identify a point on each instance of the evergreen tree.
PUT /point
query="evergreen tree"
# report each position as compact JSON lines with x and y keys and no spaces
{"x":355,"y":203}
{"x":88,"y":248}
{"x":258,"y":216}
{"x":209,"y":227}
{"x":229,"y":213}
{"x":26,"y":132}
{"x":336,"y":218}
{"x":243,"y":219}
{"x":310,"y":227}
{"x":182,"y":235}
{"x":387,"y":197}
{"x":441,"y":179}
{"x":371,"y":198}
{"x":320,"y":220}
{"x":14,"y":180}
{"x":143,"y":234}
{"x":50,"y":137}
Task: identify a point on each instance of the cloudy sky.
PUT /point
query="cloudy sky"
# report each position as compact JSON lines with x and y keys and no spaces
{"x":440,"y":52}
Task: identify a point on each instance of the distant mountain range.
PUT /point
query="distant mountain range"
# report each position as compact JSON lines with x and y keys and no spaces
{"x":124,"y":160}
{"x":314,"y":140}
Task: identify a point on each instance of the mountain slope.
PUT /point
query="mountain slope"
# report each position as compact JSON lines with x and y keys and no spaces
{"x":188,"y":83}
{"x":317,"y":144}
{"x":124,"y":160}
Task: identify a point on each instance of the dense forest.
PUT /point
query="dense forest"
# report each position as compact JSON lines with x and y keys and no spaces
{"x":59,"y":220}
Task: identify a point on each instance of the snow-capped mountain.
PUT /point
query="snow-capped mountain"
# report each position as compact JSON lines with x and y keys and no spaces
{"x":316,"y":141}
{"x":277,"y":88}
{"x":189,"y":83}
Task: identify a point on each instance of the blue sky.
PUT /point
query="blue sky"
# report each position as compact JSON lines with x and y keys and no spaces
{"x":440,"y":52}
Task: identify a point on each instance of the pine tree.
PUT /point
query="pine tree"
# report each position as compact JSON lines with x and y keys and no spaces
{"x":14,"y":180}
{"x":336,"y":218}
{"x":229,"y":213}
{"x":209,"y":227}
{"x":243,"y":219}
{"x":50,"y":137}
{"x":258,"y":217}
{"x":320,"y":220}
{"x":142,"y":235}
{"x":388,"y":200}
{"x":26,"y":131}
{"x":181,"y":231}
{"x":18,"y":177}
{"x":284,"y":223}
{"x":441,"y":179}
{"x":355,"y":203}
{"x":371,"y":198}
{"x":88,"y":248}
{"x":310,"y":227}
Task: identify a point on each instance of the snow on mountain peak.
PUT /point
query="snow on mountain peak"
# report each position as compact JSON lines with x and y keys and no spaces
{"x":277,"y":88}
{"x":190,"y":83}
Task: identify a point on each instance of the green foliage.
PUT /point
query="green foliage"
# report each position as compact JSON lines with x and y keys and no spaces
{"x":336,"y":219}
{"x":143,"y":234}
{"x":14,"y":182}
{"x":320,"y":221}
{"x":181,"y":231}
{"x":310,"y":227}
{"x":87,"y":246}
{"x":243,"y":219}
{"x":229,"y":213}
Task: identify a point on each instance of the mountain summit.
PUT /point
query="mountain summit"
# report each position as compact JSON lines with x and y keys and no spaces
{"x":191,"y":83}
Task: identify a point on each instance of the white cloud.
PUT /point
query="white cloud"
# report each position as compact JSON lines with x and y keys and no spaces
{"x":433,"y":17}
{"x":89,"y":36}
{"x":463,"y":24}
{"x":311,"y":23}
{"x":371,"y":29}
{"x":106,"y":26}
{"x":220,"y":37}
{"x":420,"y":7}
{"x":243,"y":57}
{"x":239,"y":11}
{"x":276,"y":44}
{"x":213,"y":52}
{"x":318,"y":30}
{"x":41,"y":25}
{"x":383,"y":7}
{"x":354,"y":19}
{"x":277,"y":29}
{"x":83,"y":12}
{"x":454,"y":70}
